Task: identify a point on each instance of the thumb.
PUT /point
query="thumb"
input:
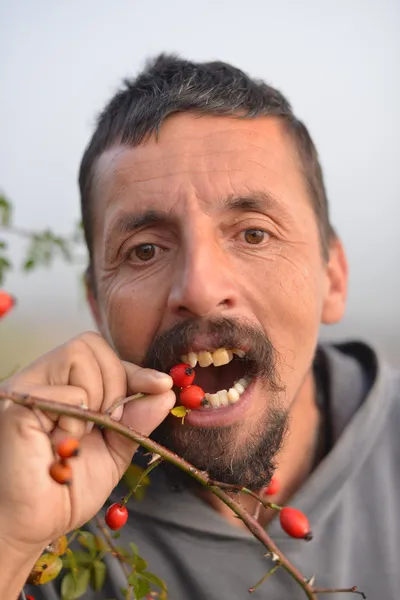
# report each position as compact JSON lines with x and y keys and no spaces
{"x":142,"y":415}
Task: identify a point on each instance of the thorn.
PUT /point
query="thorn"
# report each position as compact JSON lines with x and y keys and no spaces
{"x":154,"y":457}
{"x":274,"y":557}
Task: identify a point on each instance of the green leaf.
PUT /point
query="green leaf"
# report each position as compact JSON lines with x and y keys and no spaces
{"x":5,"y":212}
{"x":154,"y":579}
{"x":81,"y":558}
{"x":72,"y":589}
{"x":5,"y":266}
{"x":134,"y":548}
{"x":116,"y":535}
{"x":139,"y":563}
{"x":132,"y":579}
{"x":71,"y":560}
{"x":88,"y":540}
{"x":29,"y":264}
{"x":141,"y":588}
{"x":98,"y":575}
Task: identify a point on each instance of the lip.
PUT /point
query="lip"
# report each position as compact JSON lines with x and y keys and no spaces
{"x":222,"y":417}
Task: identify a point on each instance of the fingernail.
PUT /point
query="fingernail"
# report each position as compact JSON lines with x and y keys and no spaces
{"x":117,"y":413}
{"x":160,"y":375}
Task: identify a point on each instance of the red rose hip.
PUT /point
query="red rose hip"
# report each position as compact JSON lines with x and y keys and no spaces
{"x":272,"y":488}
{"x":6,"y":303}
{"x":192,"y":397}
{"x":182,"y":375}
{"x":295,"y":523}
{"x":116,"y":516}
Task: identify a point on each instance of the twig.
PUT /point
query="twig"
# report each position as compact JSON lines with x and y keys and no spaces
{"x":114,"y":550}
{"x":105,"y":421}
{"x":259,"y":532}
{"x":123,"y":401}
{"x":352,"y":590}
{"x":239,"y":488}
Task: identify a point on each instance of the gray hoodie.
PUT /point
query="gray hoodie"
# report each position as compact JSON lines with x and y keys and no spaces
{"x":352,"y":500}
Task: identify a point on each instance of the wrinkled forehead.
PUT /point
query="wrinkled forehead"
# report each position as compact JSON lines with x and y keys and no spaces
{"x":211,"y":157}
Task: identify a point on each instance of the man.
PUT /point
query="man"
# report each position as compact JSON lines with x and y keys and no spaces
{"x":207,"y":226}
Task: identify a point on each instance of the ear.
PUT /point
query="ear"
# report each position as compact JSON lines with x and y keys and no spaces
{"x":91,"y":298}
{"x":336,"y":274}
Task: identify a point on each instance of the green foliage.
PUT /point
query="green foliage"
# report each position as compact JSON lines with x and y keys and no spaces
{"x":74,"y":586}
{"x":5,"y":211}
{"x":43,"y":246}
{"x":85,"y":569}
{"x":5,"y":221}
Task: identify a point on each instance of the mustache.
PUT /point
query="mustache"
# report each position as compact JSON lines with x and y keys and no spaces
{"x":260,"y":358}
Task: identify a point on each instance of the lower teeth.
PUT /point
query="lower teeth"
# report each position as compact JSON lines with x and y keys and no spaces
{"x":224,"y":397}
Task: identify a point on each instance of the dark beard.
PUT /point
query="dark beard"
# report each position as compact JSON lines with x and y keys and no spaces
{"x":251,"y":464}
{"x":221,"y":451}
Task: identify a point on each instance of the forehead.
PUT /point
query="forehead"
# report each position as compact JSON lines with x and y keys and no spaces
{"x":205,"y":156}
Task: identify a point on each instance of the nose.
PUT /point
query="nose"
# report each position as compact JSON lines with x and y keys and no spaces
{"x":204,"y":284}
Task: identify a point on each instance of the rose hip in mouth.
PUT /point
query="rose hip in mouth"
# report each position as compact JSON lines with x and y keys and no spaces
{"x":221,"y":374}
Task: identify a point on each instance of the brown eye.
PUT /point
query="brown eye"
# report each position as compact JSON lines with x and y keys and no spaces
{"x":144,"y":252}
{"x":254,"y":236}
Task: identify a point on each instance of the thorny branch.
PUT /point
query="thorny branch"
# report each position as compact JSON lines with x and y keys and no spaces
{"x":250,"y":522}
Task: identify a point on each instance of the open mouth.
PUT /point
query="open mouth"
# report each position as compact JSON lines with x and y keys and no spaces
{"x":223,"y":374}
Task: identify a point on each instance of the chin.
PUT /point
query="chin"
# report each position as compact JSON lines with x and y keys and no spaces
{"x":236,"y":454}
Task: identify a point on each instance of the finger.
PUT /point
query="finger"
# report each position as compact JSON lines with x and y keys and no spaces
{"x":142,"y":415}
{"x":65,"y":394}
{"x":120,"y":377}
{"x":148,"y":381}
{"x":73,"y":364}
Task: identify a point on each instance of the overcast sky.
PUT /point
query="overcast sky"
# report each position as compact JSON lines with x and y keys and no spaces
{"x":338,"y":62}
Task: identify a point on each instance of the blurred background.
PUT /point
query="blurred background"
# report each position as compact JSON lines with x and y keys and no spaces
{"x":338,"y":61}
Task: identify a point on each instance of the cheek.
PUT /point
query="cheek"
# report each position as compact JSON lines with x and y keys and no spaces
{"x":132,"y":313}
{"x":289,"y":304}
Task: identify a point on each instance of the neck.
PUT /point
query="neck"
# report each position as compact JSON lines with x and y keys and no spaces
{"x":294,"y":462}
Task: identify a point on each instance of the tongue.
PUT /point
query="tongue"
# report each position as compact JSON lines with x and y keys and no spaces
{"x":213,"y":379}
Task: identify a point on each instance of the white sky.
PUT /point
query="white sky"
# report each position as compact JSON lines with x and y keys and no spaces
{"x":338,"y":61}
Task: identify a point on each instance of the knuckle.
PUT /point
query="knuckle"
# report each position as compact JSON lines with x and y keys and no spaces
{"x":78,"y":347}
{"x":91,"y":337}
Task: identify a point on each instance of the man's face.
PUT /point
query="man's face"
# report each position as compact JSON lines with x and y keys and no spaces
{"x":207,"y":238}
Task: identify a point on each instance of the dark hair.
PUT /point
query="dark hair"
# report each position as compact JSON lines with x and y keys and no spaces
{"x":169,"y":85}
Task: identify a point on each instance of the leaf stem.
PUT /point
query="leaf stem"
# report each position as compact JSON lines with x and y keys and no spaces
{"x":149,"y":469}
{"x":264,"y":578}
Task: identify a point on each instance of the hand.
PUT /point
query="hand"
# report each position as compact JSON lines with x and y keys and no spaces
{"x":35,"y":510}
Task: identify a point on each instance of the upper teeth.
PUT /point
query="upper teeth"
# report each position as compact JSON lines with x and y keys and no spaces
{"x":221,"y":356}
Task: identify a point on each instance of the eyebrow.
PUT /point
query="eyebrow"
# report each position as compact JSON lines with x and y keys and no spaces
{"x":258,"y":201}
{"x":131,"y":222}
